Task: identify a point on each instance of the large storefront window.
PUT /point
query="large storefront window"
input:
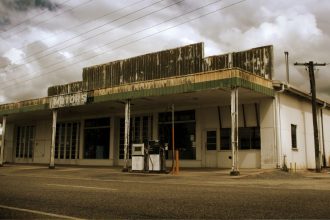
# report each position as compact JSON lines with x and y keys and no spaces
{"x":67,"y":140}
{"x":184,"y":132}
{"x":140,"y":132}
{"x":248,"y":138}
{"x":97,"y":138}
{"x":25,"y":138}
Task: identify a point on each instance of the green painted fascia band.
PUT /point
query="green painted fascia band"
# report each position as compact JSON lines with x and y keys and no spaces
{"x":215,"y":84}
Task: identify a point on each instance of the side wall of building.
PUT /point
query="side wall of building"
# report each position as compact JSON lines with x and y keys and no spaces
{"x":325,"y":140}
{"x":297,"y":111}
{"x":268,"y":134}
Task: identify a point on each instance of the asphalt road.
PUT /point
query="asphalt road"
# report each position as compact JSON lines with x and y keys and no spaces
{"x":66,"y":192}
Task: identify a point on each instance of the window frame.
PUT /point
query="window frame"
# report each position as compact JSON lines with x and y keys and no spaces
{"x":294,"y":142}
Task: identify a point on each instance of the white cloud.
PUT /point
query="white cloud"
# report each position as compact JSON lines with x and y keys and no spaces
{"x":15,"y":56}
{"x":301,"y":27}
{"x":66,"y":54}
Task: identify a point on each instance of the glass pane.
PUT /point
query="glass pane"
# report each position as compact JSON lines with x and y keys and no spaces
{"x":211,"y":142}
{"x":294,"y":136}
{"x":22,"y":145}
{"x":31,"y":144}
{"x":244,"y":135}
{"x":97,"y":143}
{"x":68,"y":140}
{"x":18,"y":141}
{"x":121,"y":138}
{"x":73,"y":141}
{"x":225,"y":139}
{"x":62,"y":141}
{"x":184,"y":135}
{"x":97,"y":122}
{"x":57,"y":140}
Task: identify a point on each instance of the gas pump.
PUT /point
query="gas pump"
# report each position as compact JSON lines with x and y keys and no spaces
{"x":138,"y":157}
{"x":150,"y":157}
{"x":156,"y":154}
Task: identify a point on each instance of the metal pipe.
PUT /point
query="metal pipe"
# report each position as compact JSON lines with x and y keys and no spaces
{"x":126,"y":139}
{"x":52,"y":148}
{"x":234,"y":131}
{"x":4,"y":121}
{"x":287,"y":66}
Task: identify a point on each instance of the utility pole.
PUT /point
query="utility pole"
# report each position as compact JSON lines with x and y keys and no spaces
{"x":311,"y":66}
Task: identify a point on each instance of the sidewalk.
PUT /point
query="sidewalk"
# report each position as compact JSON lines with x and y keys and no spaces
{"x":188,"y":173}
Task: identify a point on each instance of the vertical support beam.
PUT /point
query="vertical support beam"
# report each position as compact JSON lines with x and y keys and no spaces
{"x":2,"y":150}
{"x":314,"y":109}
{"x":234,"y":131}
{"x":52,"y":148}
{"x":126,"y":138}
{"x":311,"y":66}
{"x":323,"y":144}
{"x":173,"y":140}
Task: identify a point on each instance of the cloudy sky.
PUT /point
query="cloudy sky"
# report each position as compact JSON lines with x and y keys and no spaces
{"x":48,"y":42}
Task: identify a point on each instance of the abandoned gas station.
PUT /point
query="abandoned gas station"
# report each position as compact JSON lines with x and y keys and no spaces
{"x":226,"y":110}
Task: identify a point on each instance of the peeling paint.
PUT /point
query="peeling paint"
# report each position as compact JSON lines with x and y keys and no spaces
{"x":172,"y":71}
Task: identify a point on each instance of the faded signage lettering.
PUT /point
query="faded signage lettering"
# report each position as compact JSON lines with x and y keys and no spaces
{"x":68,"y":100}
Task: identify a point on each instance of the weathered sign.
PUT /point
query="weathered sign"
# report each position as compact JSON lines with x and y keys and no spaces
{"x":68,"y":100}
{"x":257,"y":60}
{"x":173,"y":62}
{"x":66,"y":88}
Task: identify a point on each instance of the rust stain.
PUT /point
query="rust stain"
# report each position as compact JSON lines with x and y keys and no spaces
{"x":179,"y":66}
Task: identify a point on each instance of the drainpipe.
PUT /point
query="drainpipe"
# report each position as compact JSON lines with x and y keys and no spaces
{"x":323,"y":145}
{"x":278,"y":138}
{"x":287,"y":66}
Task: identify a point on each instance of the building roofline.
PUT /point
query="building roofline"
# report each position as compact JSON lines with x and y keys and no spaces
{"x":280,"y":86}
{"x":226,"y":78}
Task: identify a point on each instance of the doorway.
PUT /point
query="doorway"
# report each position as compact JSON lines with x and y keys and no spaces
{"x":210,"y":148}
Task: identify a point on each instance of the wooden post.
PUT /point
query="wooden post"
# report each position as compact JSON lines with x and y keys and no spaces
{"x":177,"y":165}
{"x":311,"y":66}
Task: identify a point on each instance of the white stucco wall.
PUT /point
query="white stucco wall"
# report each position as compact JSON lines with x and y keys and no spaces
{"x":208,"y":119}
{"x":267,"y":134}
{"x":298,"y":111}
{"x":326,"y":132}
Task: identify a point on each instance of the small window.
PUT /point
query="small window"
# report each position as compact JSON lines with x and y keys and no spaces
{"x":211,"y":137}
{"x":248,"y":138}
{"x":294,"y":136}
{"x":225,"y":139}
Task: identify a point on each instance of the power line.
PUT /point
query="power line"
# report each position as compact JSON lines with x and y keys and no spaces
{"x":129,"y":34}
{"x":134,"y":41}
{"x":74,"y":27}
{"x":28,"y":19}
{"x":203,"y":15}
{"x":58,"y":50}
{"x":45,"y":21}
